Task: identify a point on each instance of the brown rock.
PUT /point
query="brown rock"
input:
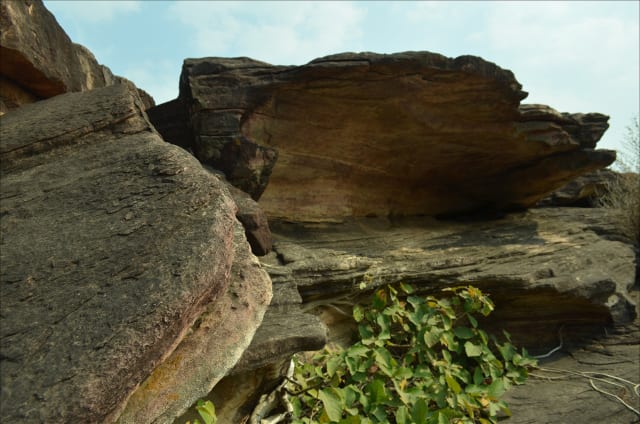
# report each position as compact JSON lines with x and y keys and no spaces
{"x":584,"y":191}
{"x":40,"y":61}
{"x":114,"y":244}
{"x":254,"y":221}
{"x":587,"y":129}
{"x":411,"y":133}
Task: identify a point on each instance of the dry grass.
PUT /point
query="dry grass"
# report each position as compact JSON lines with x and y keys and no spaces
{"x":623,"y":193}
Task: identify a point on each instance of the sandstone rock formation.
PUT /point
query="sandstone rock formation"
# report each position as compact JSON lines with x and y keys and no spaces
{"x":584,"y":191}
{"x":123,"y":265}
{"x":543,"y":268}
{"x":365,"y":134}
{"x":129,"y":289}
{"x":40,"y":61}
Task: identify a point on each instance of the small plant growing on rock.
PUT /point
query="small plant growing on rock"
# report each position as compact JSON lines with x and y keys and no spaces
{"x":207,"y":412}
{"x":418,"y":360}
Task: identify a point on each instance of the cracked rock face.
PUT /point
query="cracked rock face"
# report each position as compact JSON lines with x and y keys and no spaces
{"x":114,"y":244}
{"x":366,"y":134}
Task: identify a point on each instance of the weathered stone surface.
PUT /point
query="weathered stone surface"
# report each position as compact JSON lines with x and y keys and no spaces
{"x":40,"y":61}
{"x":215,"y":342}
{"x":585,"y":128}
{"x":113,"y":244}
{"x":584,"y":191}
{"x":285,"y":330}
{"x":568,"y":397}
{"x":365,"y":134}
{"x":254,"y":222}
{"x":543,"y":268}
{"x":172,"y":121}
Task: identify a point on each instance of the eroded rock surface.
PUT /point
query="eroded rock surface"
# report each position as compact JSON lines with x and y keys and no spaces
{"x":543,"y":268}
{"x":366,"y":134}
{"x":562,"y":391}
{"x":585,"y":191}
{"x":40,"y":61}
{"x":114,"y":243}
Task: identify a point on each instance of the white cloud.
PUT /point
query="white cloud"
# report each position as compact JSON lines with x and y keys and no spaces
{"x":93,"y":11}
{"x":275,"y":32}
{"x":574,"y":56}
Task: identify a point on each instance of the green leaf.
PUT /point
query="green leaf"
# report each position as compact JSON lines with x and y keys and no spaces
{"x":478,"y":376}
{"x":333,"y":404}
{"x":379,"y":300}
{"x":472,"y":321}
{"x":383,"y":321}
{"x":401,"y":373}
{"x":402,"y":415}
{"x":432,"y":337}
{"x":463,"y":333}
{"x":472,"y":350}
{"x":376,"y":391}
{"x":447,"y":339}
{"x":333,"y":365}
{"x":419,"y":411}
{"x":407,"y":288}
{"x":442,"y":418}
{"x":384,"y":360}
{"x":496,"y":388}
{"x":358,"y":313}
{"x":453,"y":384}
{"x":207,"y":411}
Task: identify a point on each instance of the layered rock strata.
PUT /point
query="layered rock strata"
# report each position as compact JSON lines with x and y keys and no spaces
{"x":543,"y":269}
{"x":119,"y":252}
{"x":366,"y":134}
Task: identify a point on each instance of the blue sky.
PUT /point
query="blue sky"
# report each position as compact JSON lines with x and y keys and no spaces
{"x":574,"y":56}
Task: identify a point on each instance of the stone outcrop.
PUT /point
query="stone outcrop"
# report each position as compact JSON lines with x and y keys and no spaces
{"x":585,"y":191}
{"x":40,"y":61}
{"x":562,"y":391}
{"x":130,"y":288}
{"x":543,"y":268}
{"x":366,"y":134}
{"x":125,"y":274}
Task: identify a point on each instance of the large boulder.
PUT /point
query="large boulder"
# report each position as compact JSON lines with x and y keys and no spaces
{"x":367,"y":134}
{"x":40,"y":61}
{"x":125,"y":274}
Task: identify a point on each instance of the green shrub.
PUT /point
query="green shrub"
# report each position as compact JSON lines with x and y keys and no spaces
{"x":418,"y":360}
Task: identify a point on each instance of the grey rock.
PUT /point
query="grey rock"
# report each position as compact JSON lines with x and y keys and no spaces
{"x":565,"y":395}
{"x":542,"y":268}
{"x":113,"y":244}
{"x":211,"y":348}
{"x":285,"y":330}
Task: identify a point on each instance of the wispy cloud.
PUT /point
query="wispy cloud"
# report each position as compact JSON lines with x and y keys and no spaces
{"x":94,"y":11}
{"x":276,"y":32}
